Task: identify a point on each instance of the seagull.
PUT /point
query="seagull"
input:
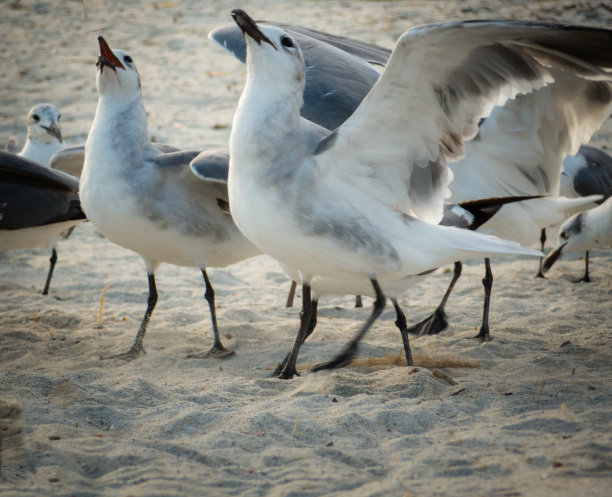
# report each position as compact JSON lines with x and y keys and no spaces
{"x":586,"y":173}
{"x":44,"y":138}
{"x":364,"y":200}
{"x":37,"y":204}
{"x":153,"y":202}
{"x":44,"y":134}
{"x":584,"y":231}
{"x":508,"y":157}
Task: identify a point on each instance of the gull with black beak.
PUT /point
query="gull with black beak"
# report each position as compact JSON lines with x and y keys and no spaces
{"x":519,"y":148}
{"x":152,"y":202}
{"x":44,"y":138}
{"x":587,"y":230}
{"x":362,"y":202}
{"x":44,"y":134}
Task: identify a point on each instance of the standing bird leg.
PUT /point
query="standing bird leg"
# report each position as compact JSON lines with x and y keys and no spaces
{"x":218,"y":350}
{"x":137,"y":347}
{"x":542,"y":242}
{"x":487,"y":282}
{"x":52,"y":261}
{"x":400,"y":322}
{"x":288,"y":370}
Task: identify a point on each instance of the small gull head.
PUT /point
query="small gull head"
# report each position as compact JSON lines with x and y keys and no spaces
{"x":43,"y":124}
{"x":121,"y":78}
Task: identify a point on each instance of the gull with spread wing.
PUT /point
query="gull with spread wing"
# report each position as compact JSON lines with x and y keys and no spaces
{"x":518,"y":151}
{"x":361,"y":202}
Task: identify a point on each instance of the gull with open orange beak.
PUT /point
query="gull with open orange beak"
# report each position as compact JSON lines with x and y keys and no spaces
{"x":149,"y":200}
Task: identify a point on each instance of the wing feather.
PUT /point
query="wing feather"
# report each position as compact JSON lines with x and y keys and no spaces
{"x":440,"y":81}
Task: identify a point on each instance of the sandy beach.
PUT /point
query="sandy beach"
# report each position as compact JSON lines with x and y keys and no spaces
{"x":533,"y":419}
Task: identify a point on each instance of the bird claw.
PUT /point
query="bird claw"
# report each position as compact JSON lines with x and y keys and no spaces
{"x":287,"y":374}
{"x":217,"y":352}
{"x":483,"y":336}
{"x":432,"y":325}
{"x":130,"y":355}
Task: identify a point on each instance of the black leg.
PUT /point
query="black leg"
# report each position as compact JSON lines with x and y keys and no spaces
{"x":350,"y":350}
{"x":291,"y":294}
{"x":137,"y":347}
{"x":358,"y":302}
{"x":586,"y":278}
{"x":542,"y":242}
{"x":487,"y":282}
{"x":311,"y":326}
{"x":438,"y":322}
{"x":400,"y":322}
{"x":52,"y":261}
{"x":218,"y":350}
{"x":289,"y":371}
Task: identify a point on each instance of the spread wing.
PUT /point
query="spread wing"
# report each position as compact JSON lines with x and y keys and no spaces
{"x":338,"y":75}
{"x":440,"y":81}
{"x":520,"y":147}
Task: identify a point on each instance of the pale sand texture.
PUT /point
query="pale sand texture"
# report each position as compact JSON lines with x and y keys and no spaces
{"x":534,"y":420}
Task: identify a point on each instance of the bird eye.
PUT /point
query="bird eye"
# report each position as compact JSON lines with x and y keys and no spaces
{"x":286,"y":42}
{"x":98,"y":63}
{"x":563,"y":234}
{"x":36,"y":117}
{"x":128,"y":59}
{"x":59,"y":116}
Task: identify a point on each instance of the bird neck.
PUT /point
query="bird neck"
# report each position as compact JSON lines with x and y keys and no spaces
{"x":122,"y":122}
{"x":39,"y":151}
{"x":264,"y":119}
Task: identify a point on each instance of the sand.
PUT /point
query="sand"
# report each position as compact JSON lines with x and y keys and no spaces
{"x":532,"y":420}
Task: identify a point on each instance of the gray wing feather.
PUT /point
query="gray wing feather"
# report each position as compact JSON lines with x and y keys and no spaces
{"x":338,"y":75}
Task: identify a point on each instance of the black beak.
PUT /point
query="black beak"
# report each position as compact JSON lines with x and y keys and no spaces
{"x":551,"y":258}
{"x":249,"y":27}
{"x":107,"y":57}
{"x":54,"y":130}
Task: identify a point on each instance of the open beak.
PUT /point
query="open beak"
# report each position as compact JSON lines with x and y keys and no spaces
{"x":54,"y":130}
{"x":551,"y":258}
{"x":107,"y":57}
{"x":249,"y":27}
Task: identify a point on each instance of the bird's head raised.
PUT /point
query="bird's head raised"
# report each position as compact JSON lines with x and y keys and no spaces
{"x":43,"y":124}
{"x":272,"y":54}
{"x":117,"y":74}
